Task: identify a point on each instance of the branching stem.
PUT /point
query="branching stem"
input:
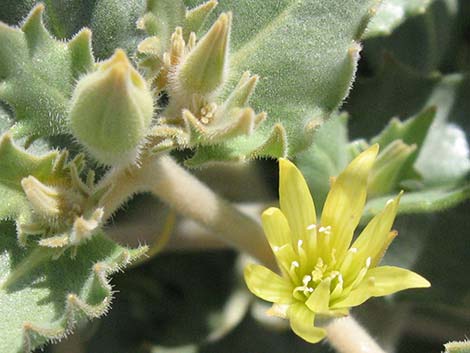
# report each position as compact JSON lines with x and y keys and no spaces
{"x":174,"y":185}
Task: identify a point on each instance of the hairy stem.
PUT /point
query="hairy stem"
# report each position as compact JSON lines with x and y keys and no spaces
{"x":346,"y":335}
{"x":175,"y":186}
{"x":188,"y":196}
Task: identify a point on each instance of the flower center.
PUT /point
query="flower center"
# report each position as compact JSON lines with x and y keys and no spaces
{"x":310,"y":281}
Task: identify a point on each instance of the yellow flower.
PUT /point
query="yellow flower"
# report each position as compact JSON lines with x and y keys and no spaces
{"x":323,"y":275}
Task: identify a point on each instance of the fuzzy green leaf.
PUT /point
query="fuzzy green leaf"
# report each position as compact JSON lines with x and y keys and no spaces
{"x":422,"y":42}
{"x":428,"y":200}
{"x":64,"y":18}
{"x":16,"y":164}
{"x":37,"y":74}
{"x":392,"y":13}
{"x":399,"y":91}
{"x":113,"y":23}
{"x":445,"y":156}
{"x":43,"y":299}
{"x":305,"y":54}
{"x":326,"y":157}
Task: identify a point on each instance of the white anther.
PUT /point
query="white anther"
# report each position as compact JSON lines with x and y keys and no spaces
{"x":389,"y":202}
{"x":311,"y":227}
{"x":325,"y":230}
{"x":353,"y":250}
{"x":340,"y":278}
{"x":306,"y":279}
{"x":276,"y":248}
{"x":294,"y":264}
{"x":368,"y":262}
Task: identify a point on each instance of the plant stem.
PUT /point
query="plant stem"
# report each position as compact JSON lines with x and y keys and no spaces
{"x":175,"y":186}
{"x":346,"y":335}
{"x":188,"y":196}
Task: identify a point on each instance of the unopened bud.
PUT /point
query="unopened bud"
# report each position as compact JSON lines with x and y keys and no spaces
{"x":204,"y":68}
{"x":44,"y":199}
{"x":111,"y":111}
{"x":387,"y":169}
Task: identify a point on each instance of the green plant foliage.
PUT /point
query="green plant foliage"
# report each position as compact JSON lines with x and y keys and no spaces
{"x":392,"y":13}
{"x":436,"y":31}
{"x":427,"y":190}
{"x":37,"y":74}
{"x":305,"y":72}
{"x":325,"y":158}
{"x":78,"y":14}
{"x":43,"y":300}
{"x":113,"y":23}
{"x":16,"y":164}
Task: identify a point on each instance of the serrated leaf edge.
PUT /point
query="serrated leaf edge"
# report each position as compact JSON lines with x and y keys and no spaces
{"x":75,"y":307}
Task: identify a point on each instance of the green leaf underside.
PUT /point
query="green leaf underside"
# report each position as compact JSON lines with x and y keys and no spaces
{"x":52,"y":296}
{"x":428,"y":42}
{"x":306,"y":59}
{"x":397,"y":91}
{"x":37,"y":73}
{"x":16,"y":164}
{"x":430,"y":200}
{"x":392,"y":13}
{"x":326,"y":157}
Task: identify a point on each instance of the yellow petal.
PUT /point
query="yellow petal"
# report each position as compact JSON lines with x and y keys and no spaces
{"x":345,"y":201}
{"x":380,"y":281}
{"x":301,"y":322}
{"x":267,"y":285}
{"x":319,"y":300}
{"x":276,"y":228}
{"x":371,"y":241}
{"x":296,"y":201}
{"x":285,"y":256}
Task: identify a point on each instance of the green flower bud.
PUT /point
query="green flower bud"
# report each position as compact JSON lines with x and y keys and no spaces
{"x":111,"y":111}
{"x":203,"y":71}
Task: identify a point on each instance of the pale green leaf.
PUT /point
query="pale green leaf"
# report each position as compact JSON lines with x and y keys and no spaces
{"x":113,"y":23}
{"x":37,"y":74}
{"x":325,"y":158}
{"x":43,"y":299}
{"x":305,"y":55}
{"x":428,"y":200}
{"x":16,"y":164}
{"x":392,"y":13}
{"x":424,"y":41}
